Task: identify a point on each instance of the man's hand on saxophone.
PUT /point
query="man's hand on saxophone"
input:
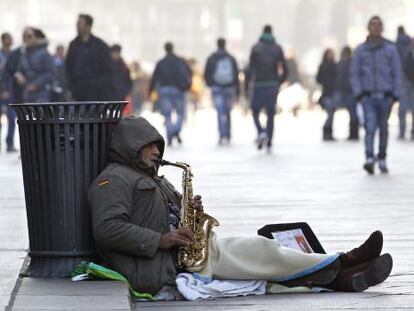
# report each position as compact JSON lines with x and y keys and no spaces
{"x":179,"y":237}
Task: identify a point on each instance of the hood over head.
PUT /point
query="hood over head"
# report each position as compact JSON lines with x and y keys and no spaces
{"x":131,"y":134}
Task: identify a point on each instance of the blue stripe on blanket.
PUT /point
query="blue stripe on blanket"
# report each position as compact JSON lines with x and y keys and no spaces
{"x":308,"y":271}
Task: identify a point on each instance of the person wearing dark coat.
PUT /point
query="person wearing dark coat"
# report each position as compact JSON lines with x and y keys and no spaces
{"x":136,"y":225}
{"x":30,"y":69}
{"x":121,"y":76}
{"x":171,"y":78}
{"x":345,"y":96}
{"x":267,"y":70}
{"x":89,"y":65}
{"x":326,"y":77}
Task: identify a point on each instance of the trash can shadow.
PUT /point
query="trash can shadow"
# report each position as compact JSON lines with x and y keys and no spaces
{"x":64,"y":146}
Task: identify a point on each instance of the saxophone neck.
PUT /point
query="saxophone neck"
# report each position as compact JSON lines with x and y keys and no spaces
{"x":181,"y":165}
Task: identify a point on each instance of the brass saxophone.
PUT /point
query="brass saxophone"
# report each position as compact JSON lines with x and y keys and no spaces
{"x":194,"y":257}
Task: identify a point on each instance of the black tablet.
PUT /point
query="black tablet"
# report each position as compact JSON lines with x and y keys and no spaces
{"x":298,"y":235}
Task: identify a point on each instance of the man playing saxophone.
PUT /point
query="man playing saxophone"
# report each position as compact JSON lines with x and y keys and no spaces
{"x":137,"y":225}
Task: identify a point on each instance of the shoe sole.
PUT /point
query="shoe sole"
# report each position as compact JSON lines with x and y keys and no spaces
{"x":376,"y":273}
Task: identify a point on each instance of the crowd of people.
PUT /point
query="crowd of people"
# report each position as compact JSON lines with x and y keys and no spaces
{"x":377,"y":74}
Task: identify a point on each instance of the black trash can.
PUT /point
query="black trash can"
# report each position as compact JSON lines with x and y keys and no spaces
{"x":63,"y":148}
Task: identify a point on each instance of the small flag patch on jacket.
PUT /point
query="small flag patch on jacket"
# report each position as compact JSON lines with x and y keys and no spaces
{"x":103,"y":182}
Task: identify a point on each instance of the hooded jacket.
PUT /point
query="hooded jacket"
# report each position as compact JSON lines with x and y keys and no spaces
{"x":129,"y":210}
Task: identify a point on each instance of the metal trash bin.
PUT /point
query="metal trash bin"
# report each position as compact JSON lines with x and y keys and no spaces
{"x":63,"y":148}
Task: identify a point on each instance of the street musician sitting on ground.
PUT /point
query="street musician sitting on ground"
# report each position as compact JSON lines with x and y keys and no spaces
{"x":138,"y":231}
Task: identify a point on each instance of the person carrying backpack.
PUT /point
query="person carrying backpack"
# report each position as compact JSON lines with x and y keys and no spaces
{"x":222,"y":76}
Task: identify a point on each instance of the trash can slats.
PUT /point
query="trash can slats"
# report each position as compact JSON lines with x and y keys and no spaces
{"x":63,"y":148}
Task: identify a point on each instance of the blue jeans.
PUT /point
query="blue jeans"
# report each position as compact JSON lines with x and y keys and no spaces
{"x":376,"y":113}
{"x":172,"y":100}
{"x":329,"y":105}
{"x":406,"y":104}
{"x":223,"y":100}
{"x":264,"y":97}
{"x":11,"y":120}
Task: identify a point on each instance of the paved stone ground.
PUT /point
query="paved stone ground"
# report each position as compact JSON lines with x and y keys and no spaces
{"x":13,"y":232}
{"x":303,"y":180}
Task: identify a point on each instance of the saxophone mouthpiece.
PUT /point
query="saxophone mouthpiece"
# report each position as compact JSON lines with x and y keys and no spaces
{"x":162,"y":162}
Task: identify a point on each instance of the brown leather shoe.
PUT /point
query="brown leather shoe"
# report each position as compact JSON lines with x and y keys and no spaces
{"x":360,"y":277}
{"x":369,"y":250}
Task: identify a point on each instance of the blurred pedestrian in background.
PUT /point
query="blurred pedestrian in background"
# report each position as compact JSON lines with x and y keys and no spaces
{"x":326,"y":77}
{"x":59,"y":92}
{"x":35,"y":70}
{"x":376,"y":83}
{"x":267,"y":71}
{"x":140,"y":85}
{"x":222,"y":76}
{"x":344,"y":96}
{"x":89,"y":64}
{"x":6,"y":92}
{"x":171,"y":79}
{"x":121,"y":77}
{"x":405,"y":50}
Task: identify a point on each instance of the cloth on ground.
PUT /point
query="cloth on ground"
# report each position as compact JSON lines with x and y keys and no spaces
{"x":96,"y":271}
{"x":193,"y":288}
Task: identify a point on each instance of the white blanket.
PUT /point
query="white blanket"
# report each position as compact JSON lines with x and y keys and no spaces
{"x":199,"y":289}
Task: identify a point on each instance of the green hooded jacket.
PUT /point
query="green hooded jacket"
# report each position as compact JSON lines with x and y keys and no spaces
{"x":129,"y":210}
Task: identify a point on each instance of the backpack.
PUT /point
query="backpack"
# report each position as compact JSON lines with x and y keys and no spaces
{"x":408,"y":66}
{"x":223,"y":71}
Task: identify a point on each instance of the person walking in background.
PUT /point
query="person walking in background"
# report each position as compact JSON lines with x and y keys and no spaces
{"x":222,"y":76}
{"x":376,"y":83}
{"x":140,"y":84}
{"x":89,"y":64}
{"x":171,"y":78}
{"x":405,"y":50}
{"x":267,"y":71}
{"x":326,"y":77}
{"x":36,"y":70}
{"x":121,"y":76}
{"x":344,"y":92}
{"x":5,"y":92}
{"x":59,"y":92}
